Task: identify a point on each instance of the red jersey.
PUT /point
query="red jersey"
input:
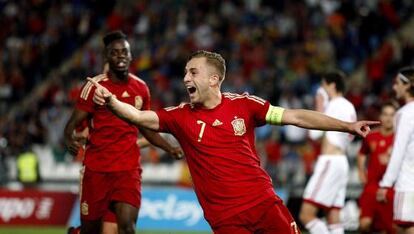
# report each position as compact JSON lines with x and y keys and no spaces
{"x":112,"y":144}
{"x":377,"y":148}
{"x":219,"y":146}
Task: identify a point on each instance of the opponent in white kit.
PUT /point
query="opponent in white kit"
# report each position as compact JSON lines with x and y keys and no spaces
{"x":327,"y":186}
{"x":400,"y":170}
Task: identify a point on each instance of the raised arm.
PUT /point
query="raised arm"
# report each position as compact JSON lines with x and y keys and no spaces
{"x":147,"y":119}
{"x":316,"y":120}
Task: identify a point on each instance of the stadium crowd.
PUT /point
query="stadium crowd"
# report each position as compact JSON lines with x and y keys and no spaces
{"x":276,"y":50}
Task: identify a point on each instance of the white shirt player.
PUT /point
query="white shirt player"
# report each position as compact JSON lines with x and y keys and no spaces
{"x":342,"y":109}
{"x":400,"y":169}
{"x":327,"y":186}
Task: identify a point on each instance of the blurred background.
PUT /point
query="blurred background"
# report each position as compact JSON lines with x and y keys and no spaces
{"x":274,"y":49}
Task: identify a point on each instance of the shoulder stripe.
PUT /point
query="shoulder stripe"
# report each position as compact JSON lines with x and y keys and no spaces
{"x":182,"y":105}
{"x":88,"y":86}
{"x":137,"y":78}
{"x":233,"y":96}
{"x":256,"y":100}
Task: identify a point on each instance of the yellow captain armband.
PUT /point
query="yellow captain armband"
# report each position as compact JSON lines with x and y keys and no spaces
{"x":274,"y":115}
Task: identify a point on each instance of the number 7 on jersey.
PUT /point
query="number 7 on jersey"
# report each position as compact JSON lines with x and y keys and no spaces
{"x":203,"y":126}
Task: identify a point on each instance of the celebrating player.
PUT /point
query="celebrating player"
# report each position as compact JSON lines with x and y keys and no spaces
{"x":216,"y":132}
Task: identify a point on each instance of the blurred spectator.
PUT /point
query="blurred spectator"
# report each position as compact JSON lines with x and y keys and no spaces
{"x":28,"y":168}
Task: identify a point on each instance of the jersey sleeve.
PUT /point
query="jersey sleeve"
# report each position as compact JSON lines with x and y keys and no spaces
{"x":84,"y":101}
{"x":405,"y":126}
{"x":257,"y":107}
{"x":167,"y":119}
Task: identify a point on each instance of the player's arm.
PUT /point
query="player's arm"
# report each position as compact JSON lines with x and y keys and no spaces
{"x":74,"y":142}
{"x":156,"y":139}
{"x":362,"y":171}
{"x":147,"y":119}
{"x":316,"y":120}
{"x":142,"y":142}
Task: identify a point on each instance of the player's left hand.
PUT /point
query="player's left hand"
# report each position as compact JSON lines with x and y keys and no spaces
{"x":176,"y":153}
{"x":362,"y":127}
{"x":382,"y":195}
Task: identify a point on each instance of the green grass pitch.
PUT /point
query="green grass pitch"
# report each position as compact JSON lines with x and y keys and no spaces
{"x":61,"y":230}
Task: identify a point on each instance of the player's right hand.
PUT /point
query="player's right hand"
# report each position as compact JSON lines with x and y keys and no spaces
{"x":74,"y":143}
{"x":362,"y":128}
{"x":362,"y":177}
{"x":176,"y":153}
{"x":382,"y":195}
{"x":102,"y":95}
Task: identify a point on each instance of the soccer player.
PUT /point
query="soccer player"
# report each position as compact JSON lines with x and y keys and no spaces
{"x":327,"y":185}
{"x":376,"y":216}
{"x":216,"y":132}
{"x":400,"y":169}
{"x":112,"y":173}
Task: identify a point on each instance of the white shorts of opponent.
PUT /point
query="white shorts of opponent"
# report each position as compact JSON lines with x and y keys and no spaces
{"x":404,"y":208}
{"x":327,"y":186}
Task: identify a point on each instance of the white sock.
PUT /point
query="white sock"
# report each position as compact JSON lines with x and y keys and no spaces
{"x":336,"y":228}
{"x":316,"y":226}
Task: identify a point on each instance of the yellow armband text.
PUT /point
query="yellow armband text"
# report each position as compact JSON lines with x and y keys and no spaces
{"x":274,"y":115}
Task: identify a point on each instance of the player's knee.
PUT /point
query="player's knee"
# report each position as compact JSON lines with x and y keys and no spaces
{"x":306,"y":215}
{"x":127,"y":227}
{"x":364,"y":226}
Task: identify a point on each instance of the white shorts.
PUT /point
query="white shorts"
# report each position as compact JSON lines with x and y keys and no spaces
{"x":327,"y":186}
{"x":404,"y":208}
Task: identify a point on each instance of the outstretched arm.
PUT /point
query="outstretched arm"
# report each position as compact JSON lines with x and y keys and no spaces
{"x":316,"y":120}
{"x":147,"y":119}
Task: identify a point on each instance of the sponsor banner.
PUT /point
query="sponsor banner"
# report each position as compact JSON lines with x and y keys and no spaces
{"x":166,"y":208}
{"x":33,"y":207}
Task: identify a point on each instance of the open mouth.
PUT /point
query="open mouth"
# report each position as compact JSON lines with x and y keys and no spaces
{"x":191,"y":90}
{"x":121,"y":64}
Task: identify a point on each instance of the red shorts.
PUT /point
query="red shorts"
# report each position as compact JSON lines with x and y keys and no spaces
{"x":380,"y":213}
{"x":109,"y":217}
{"x":99,"y":189}
{"x":268,"y":217}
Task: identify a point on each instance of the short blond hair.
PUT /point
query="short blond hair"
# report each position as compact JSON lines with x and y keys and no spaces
{"x":213,"y":59}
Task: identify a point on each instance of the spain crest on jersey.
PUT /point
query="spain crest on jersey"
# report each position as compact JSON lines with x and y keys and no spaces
{"x":84,"y":208}
{"x":138,"y":102}
{"x":238,"y":126}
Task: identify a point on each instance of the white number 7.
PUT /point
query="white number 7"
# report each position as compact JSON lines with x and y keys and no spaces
{"x":203,"y":126}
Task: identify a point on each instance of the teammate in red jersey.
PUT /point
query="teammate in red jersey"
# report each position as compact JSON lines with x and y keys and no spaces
{"x":112,"y":173}
{"x":377,"y":146}
{"x":216,"y":132}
